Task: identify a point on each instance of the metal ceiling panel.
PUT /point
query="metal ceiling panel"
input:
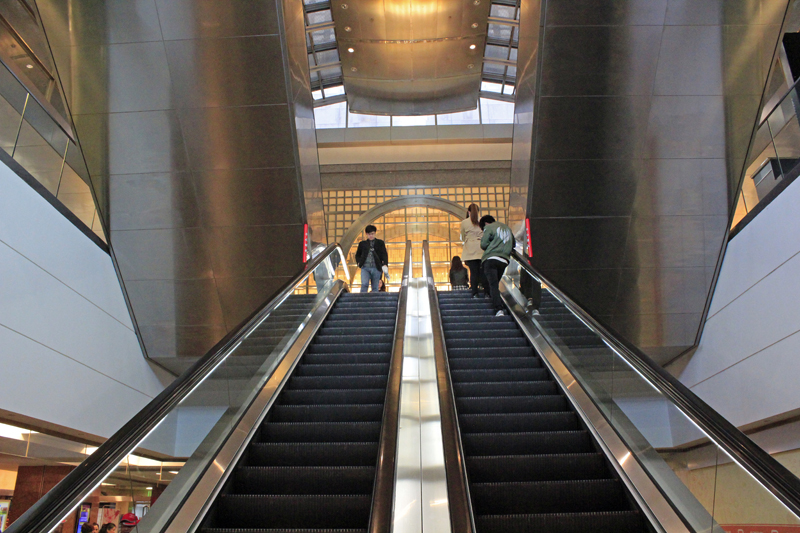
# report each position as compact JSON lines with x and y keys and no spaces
{"x":411,"y":57}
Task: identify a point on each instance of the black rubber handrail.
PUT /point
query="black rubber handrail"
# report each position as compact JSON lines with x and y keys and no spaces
{"x":45,"y":514}
{"x":380,"y":520}
{"x":775,"y":477}
{"x":458,"y":498}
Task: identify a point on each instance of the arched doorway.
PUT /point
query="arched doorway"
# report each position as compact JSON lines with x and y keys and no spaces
{"x":414,"y":218}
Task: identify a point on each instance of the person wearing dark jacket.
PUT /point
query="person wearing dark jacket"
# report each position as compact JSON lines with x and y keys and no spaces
{"x":372,"y":259}
{"x":497,"y":243}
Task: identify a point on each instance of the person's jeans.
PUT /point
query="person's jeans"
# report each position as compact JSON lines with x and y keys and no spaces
{"x":370,"y":275}
{"x":475,"y":275}
{"x":493,"y":270}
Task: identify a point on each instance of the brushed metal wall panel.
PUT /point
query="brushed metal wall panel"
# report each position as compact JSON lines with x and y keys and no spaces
{"x":187,"y":111}
{"x":142,"y":84}
{"x":247,"y":192}
{"x":238,"y":137}
{"x":153,"y":201}
{"x":132,"y":143}
{"x":255,"y":251}
{"x":619,"y":60}
{"x":176,"y":302}
{"x":199,"y":19}
{"x":592,"y":127}
{"x":690,"y":61}
{"x":240,"y":296}
{"x":96,"y":22}
{"x":166,"y":343}
{"x":639,"y":137}
{"x":585,"y":188}
{"x":204,"y":75}
{"x":163,"y":254}
{"x":606,"y":12}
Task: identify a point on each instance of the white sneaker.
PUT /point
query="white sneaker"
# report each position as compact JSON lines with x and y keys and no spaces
{"x":535,"y":312}
{"x":500,"y":313}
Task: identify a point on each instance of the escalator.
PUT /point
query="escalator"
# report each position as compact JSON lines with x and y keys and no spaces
{"x":312,"y":464}
{"x":532,"y":465}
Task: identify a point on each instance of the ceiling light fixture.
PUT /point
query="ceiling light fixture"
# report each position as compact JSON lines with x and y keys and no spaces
{"x":354,"y":69}
{"x":472,"y":47}
{"x":474,"y":25}
{"x":344,"y":6}
{"x":351,"y":50}
{"x":470,"y":66}
{"x":347,"y":28}
{"x":29,"y":65}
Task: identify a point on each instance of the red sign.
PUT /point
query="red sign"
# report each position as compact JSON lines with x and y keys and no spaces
{"x":759,"y":528}
{"x":305,"y":243}
{"x":528,"y":230}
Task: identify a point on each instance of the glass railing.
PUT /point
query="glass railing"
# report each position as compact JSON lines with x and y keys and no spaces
{"x":774,"y":156}
{"x":42,"y":142}
{"x":150,"y":466}
{"x":712,"y":474}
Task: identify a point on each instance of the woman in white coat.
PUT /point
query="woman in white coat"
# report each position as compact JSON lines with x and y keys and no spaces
{"x":471,"y":234}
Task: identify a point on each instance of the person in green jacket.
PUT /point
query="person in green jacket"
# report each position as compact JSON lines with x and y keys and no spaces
{"x":497,"y":243}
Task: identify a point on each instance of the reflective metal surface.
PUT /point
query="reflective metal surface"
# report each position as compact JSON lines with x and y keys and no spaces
{"x":196,"y":121}
{"x":411,"y":58}
{"x":646,"y":493}
{"x":421,"y":501}
{"x":636,"y":144}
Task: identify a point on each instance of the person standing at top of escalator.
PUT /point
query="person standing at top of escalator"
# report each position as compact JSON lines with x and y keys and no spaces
{"x":372,"y":259}
{"x":471,"y":254}
{"x":497,"y":244}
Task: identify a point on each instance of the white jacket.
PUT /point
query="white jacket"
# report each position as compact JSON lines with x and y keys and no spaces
{"x":471,"y":237}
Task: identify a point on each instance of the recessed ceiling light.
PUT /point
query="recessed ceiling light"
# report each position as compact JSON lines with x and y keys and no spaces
{"x":148,"y":488}
{"x":477,"y":2}
{"x":173,"y":471}
{"x":472,"y":47}
{"x":347,"y":28}
{"x":470,"y":66}
{"x":351,"y":50}
{"x":474,"y":25}
{"x":344,"y":6}
{"x":29,"y":65}
{"x":354,"y":69}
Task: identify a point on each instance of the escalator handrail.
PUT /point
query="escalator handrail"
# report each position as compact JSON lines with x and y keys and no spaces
{"x":772,"y":475}
{"x":69,"y":492}
{"x":386,"y":468}
{"x":458,"y":496}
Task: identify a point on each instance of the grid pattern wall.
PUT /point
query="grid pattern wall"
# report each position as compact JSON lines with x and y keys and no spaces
{"x":343,"y":207}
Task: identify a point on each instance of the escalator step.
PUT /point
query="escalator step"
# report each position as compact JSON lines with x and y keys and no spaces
{"x":483,"y":342}
{"x":519,"y":351}
{"x":321,"y":432}
{"x":336,"y":382}
{"x":497,"y":363}
{"x":282,"y":530}
{"x":373,"y":369}
{"x":296,"y":511}
{"x":354,"y":339}
{"x":511,"y":404}
{"x":527,"y":443}
{"x":349,"y":358}
{"x":545,"y":467}
{"x":331,"y":396}
{"x":515,"y":374}
{"x":521,"y":422}
{"x":608,"y":522}
{"x":456,"y":329}
{"x":578,"y":496}
{"x":350,"y":348}
{"x":313,"y":454}
{"x":327,"y":413}
{"x":304,"y":480}
{"x":505,"y":388}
